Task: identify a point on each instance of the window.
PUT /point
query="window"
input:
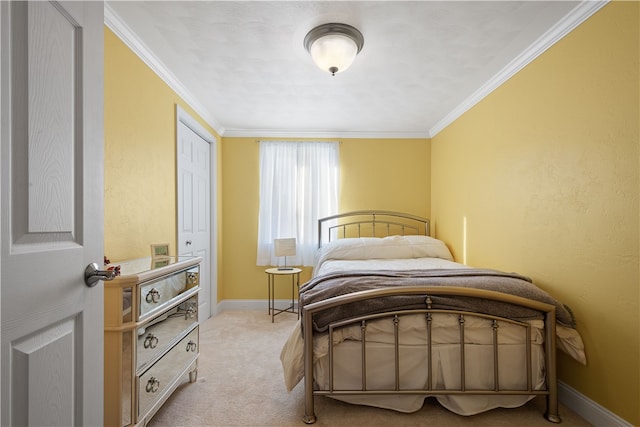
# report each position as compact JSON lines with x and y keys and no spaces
{"x":298,"y":185}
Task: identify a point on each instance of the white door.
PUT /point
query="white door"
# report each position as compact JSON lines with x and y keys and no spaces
{"x":51,"y":195}
{"x":194,"y":152}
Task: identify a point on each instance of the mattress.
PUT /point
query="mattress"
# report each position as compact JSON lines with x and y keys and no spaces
{"x":341,"y":265}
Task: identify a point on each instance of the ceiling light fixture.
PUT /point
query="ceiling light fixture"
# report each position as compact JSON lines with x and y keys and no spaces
{"x":333,"y":47}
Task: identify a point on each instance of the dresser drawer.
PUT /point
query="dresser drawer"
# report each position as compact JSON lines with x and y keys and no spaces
{"x":155,"y":295}
{"x":159,"y":377}
{"x":156,"y":337}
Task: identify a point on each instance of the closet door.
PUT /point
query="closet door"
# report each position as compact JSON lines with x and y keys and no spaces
{"x":51,"y":195}
{"x":194,"y":153}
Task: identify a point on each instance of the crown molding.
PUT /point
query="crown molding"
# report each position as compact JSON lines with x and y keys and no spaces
{"x":122,"y":30}
{"x":574,"y":18}
{"x":263,"y":133}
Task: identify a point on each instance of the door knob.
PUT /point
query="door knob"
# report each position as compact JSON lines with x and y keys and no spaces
{"x":188,"y":242}
{"x":92,"y":275}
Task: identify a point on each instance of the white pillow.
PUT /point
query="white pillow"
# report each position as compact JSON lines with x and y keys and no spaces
{"x":392,"y":247}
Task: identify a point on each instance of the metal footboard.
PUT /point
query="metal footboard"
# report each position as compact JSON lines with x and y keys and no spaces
{"x":428,"y":312}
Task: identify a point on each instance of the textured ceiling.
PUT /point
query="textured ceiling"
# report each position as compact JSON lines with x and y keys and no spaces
{"x":245,"y":66}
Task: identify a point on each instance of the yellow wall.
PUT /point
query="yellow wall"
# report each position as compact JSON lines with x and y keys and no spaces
{"x":545,"y":173}
{"x":140,"y":154}
{"x":390,"y":174}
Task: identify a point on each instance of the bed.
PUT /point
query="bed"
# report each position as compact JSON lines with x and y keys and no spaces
{"x":388,"y":319}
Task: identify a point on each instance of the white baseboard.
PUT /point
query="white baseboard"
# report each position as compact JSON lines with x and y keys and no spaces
{"x":242,"y":304}
{"x":594,"y":413}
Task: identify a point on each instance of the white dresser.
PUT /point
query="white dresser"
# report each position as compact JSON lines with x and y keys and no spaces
{"x":150,"y":336}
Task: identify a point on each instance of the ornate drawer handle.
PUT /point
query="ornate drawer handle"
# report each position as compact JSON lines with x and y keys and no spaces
{"x":151,"y":341}
{"x":190,"y":313}
{"x":152,"y":385}
{"x":191,"y":346}
{"x":153,"y":296}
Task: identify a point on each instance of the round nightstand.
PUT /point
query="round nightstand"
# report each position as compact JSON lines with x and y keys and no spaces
{"x":272,"y":273}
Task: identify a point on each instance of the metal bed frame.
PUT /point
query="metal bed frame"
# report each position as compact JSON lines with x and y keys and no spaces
{"x":380,"y":223}
{"x":370,"y":224}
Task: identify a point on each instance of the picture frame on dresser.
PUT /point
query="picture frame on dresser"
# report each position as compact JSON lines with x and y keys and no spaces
{"x":159,"y":250}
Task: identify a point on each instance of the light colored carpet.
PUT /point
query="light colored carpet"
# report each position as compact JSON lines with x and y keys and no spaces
{"x":240,"y":383}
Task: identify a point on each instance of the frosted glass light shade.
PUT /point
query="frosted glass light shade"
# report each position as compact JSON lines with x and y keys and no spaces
{"x":333,"y":47}
{"x":334,"y":53}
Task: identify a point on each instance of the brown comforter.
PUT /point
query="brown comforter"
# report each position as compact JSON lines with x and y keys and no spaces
{"x":331,"y":285}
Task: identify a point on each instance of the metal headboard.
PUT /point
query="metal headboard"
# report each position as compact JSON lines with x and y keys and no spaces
{"x":370,"y":223}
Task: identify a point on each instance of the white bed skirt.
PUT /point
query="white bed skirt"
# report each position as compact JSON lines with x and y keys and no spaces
{"x":479,"y":358}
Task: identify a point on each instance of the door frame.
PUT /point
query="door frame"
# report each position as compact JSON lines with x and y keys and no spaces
{"x":182,"y":116}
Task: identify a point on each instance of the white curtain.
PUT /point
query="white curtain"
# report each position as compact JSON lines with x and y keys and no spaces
{"x":298,"y":185}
